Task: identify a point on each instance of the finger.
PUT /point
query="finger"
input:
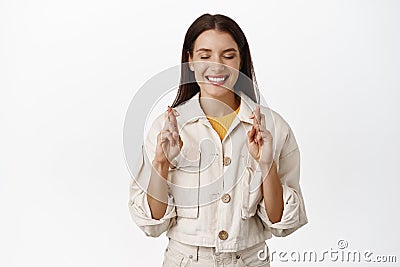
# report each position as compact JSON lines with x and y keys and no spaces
{"x":176,"y":113}
{"x":258,"y":127}
{"x":254,"y":118}
{"x":174,"y":124}
{"x":250,"y":134}
{"x":255,"y":125}
{"x":266,"y":135}
{"x":254,"y":133}
{"x":169,"y":111}
{"x":175,"y":135}
{"x":254,"y":129}
{"x":173,"y":115}
{"x":169,"y":123}
{"x":165,"y":134}
{"x":259,"y":138}
{"x":258,"y":114}
{"x":262,"y":122}
{"x":163,"y":143}
{"x":174,"y":132}
{"x":169,"y":131}
{"x":168,"y":136}
{"x":166,"y":121}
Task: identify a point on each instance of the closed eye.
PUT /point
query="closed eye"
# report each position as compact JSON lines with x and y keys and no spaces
{"x":229,"y":57}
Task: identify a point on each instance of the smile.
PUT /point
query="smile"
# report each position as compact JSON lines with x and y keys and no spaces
{"x":217,"y":79}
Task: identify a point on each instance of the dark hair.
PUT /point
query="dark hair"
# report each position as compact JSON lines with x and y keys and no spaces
{"x":187,"y":88}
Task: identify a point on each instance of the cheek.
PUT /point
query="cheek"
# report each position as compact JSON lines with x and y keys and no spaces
{"x":235,"y":70}
{"x":199,"y":69}
{"x":201,"y":66}
{"x":234,"y":64}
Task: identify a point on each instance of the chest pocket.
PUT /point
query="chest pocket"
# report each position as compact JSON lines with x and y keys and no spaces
{"x":185,"y":181}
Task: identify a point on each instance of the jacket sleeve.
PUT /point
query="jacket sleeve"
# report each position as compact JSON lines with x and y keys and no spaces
{"x":294,"y":214}
{"x":138,"y":206}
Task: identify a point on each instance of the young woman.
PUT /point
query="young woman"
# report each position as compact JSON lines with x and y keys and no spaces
{"x":222,"y":171}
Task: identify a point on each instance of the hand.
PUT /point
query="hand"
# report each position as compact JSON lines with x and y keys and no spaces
{"x":169,"y":142}
{"x":260,"y":140}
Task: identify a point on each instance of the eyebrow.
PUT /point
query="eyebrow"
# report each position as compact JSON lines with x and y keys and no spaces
{"x":209,"y":50}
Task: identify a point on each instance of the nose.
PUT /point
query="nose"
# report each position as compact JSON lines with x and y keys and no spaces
{"x":217,"y":66}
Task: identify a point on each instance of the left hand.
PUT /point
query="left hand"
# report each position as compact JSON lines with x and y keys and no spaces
{"x":260,"y":140}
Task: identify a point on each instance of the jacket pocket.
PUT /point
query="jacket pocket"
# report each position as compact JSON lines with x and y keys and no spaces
{"x":185,"y":182}
{"x":251,"y":187}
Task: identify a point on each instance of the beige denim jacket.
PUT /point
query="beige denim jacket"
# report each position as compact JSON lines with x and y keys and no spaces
{"x":214,"y":196}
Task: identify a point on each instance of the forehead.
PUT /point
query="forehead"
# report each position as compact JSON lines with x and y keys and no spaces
{"x":215,"y":40}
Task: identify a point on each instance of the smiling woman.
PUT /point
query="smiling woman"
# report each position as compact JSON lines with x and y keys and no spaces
{"x":215,"y":62}
{"x":223,"y":176}
{"x":220,"y":48}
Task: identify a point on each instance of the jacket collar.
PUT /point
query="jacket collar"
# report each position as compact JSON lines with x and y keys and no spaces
{"x":247,"y":106}
{"x":191,"y":111}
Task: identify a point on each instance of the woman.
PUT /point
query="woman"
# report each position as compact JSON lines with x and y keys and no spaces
{"x":223,"y":171}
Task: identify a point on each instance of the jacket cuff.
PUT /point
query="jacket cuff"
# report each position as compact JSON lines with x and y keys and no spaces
{"x":143,"y":213}
{"x":168,"y":212}
{"x":293,"y":216}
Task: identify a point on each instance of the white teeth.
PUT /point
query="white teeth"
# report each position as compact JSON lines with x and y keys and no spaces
{"x":216,"y":79}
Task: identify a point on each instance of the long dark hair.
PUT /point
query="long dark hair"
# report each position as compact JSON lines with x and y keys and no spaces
{"x":188,"y":88}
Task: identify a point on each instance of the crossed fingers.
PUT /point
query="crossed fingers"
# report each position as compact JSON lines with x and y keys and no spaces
{"x":170,"y":130}
{"x":258,"y":132}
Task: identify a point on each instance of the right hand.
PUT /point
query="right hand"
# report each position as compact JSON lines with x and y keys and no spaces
{"x":169,"y":142}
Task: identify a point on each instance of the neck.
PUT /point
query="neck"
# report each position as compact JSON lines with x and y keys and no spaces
{"x":219,"y":106}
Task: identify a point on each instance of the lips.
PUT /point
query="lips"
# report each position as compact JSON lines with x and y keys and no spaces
{"x":217,"y":79}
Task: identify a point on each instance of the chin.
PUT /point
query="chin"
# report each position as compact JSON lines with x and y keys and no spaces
{"x":216,"y":91}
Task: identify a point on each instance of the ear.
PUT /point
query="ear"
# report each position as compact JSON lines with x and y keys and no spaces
{"x":190,"y":60}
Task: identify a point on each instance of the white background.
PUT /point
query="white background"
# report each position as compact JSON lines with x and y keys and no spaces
{"x":69,"y":69}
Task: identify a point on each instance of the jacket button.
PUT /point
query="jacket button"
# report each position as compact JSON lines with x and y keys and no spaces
{"x":227,"y":161}
{"x":237,"y":256}
{"x":223,"y":235}
{"x":226,"y":198}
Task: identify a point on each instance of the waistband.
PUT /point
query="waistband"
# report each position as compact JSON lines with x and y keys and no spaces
{"x":193,"y":252}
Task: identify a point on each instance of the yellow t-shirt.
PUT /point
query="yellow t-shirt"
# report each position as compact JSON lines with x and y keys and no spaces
{"x":222,"y":124}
